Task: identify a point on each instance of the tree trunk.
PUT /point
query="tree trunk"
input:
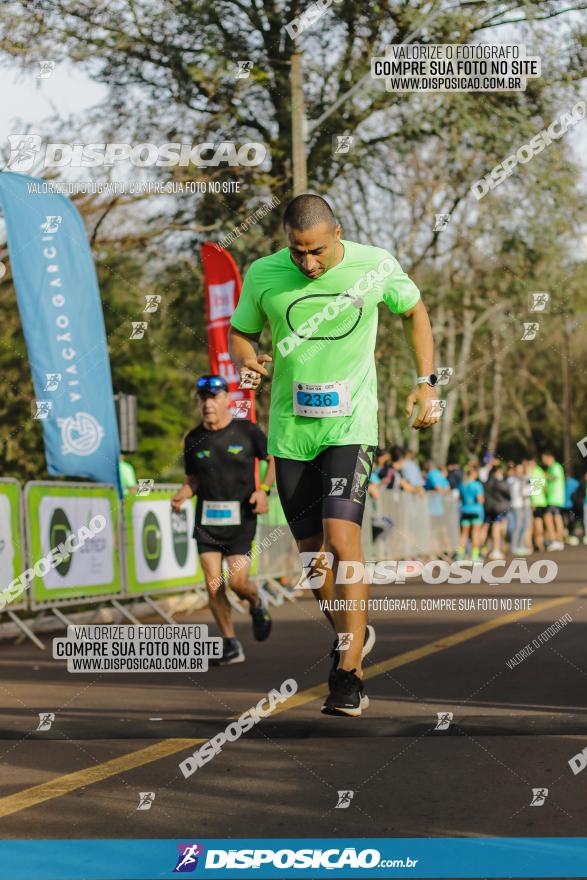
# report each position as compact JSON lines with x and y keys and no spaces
{"x":497,"y":391}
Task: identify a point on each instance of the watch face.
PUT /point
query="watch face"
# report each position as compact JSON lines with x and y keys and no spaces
{"x":432,"y":379}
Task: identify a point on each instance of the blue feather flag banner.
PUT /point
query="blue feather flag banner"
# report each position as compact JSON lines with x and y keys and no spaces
{"x":59,"y":303}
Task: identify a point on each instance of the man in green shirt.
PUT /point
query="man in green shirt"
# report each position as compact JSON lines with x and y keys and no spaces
{"x":555,"y":498}
{"x":320,"y":296}
{"x":128,"y":477}
{"x":537,"y":500}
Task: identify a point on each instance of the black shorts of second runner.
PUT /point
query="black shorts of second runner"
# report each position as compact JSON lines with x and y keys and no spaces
{"x":538,"y":512}
{"x":332,"y":485}
{"x":230,"y":540}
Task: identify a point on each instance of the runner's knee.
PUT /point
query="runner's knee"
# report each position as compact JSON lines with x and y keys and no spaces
{"x":239,"y":581}
{"x":311,"y":544}
{"x":343,"y":547}
{"x":215,"y":586}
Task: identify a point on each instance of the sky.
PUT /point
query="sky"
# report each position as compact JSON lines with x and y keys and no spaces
{"x":67,"y":91}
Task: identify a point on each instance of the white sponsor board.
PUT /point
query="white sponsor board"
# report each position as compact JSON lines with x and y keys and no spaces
{"x":162,"y":540}
{"x":93,"y":563}
{"x":7,"y":540}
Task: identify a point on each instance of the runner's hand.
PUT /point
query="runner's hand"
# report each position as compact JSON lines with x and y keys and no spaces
{"x":253,"y":370}
{"x":179,"y":498}
{"x":259,"y":501}
{"x":422,"y":397}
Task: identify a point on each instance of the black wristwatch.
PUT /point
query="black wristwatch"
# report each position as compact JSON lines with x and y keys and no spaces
{"x":431,"y":380}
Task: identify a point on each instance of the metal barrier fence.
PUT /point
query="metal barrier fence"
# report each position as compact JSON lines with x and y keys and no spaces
{"x":276,"y":550}
{"x":402,"y":525}
{"x":149,"y":552}
{"x":397,"y":525}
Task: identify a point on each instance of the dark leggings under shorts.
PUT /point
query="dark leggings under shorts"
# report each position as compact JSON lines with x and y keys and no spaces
{"x":331,"y":485}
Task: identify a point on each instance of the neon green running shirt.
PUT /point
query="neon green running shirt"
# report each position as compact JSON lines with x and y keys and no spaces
{"x":538,"y":499}
{"x":323,"y":336}
{"x":555,"y":489}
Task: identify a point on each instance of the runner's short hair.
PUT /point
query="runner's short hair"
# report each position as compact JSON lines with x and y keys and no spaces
{"x":308,"y":210}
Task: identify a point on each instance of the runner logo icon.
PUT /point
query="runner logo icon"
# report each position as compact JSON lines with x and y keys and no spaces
{"x":146,"y":799}
{"x":241,"y":409}
{"x":46,"y":719}
{"x":344,"y":800}
{"x":187,"y":860}
{"x":539,"y":795}
{"x":338,"y":485}
{"x":539,"y":302}
{"x":444,"y":719}
{"x":344,"y":641}
{"x":23,"y":151}
{"x":52,"y":381}
{"x":530,"y":331}
{"x":315,"y":568}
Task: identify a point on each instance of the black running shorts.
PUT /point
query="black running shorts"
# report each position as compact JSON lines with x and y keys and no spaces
{"x":332,"y":485}
{"x":228,"y":540}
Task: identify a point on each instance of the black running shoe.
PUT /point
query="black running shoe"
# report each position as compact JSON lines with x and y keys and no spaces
{"x":367,"y":648}
{"x":261,"y":621}
{"x":232,"y":652}
{"x":347,"y":696}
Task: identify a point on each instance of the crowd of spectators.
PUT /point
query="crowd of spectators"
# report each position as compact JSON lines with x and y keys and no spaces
{"x":516,"y":507}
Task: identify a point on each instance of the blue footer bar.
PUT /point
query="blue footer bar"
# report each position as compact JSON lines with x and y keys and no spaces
{"x":293,"y":858}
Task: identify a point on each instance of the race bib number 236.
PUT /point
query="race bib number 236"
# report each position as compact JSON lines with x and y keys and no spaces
{"x":323,"y":400}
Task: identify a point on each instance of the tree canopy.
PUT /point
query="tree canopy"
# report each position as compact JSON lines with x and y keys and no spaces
{"x":171,"y":68}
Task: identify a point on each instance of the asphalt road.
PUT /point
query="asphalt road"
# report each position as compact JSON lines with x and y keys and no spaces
{"x":513,"y":729}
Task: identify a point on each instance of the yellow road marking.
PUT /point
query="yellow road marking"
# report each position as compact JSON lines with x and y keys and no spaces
{"x":462,"y":635}
{"x":28,"y":797}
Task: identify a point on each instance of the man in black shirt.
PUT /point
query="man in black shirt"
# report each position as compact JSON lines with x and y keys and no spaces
{"x":219,"y":462}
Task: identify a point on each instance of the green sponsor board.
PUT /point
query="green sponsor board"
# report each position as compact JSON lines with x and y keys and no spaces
{"x":12,"y":560}
{"x":56,"y":511}
{"x":161,"y":553}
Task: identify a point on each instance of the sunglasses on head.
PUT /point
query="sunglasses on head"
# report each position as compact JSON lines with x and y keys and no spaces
{"x":212,"y":384}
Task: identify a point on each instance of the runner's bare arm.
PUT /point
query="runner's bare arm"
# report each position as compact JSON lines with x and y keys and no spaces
{"x":418,"y":333}
{"x":270,"y":475}
{"x":189,"y":488}
{"x":243,"y":349}
{"x":259,"y":497}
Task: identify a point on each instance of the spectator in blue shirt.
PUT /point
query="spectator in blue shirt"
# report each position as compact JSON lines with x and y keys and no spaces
{"x":572,"y":509}
{"x":411,"y":470}
{"x":472,"y":511}
{"x":437,"y":485}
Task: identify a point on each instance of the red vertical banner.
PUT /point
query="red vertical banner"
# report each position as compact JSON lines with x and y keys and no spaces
{"x":222,"y":282}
